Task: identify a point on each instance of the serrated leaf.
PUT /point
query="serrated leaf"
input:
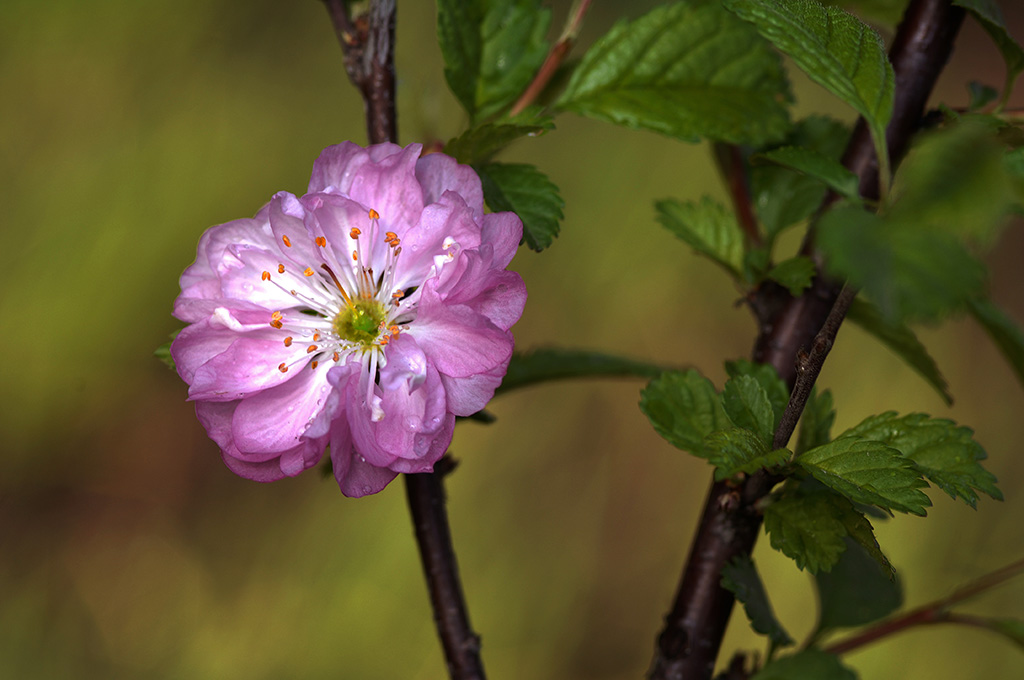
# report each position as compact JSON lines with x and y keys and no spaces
{"x":900,"y":339}
{"x":807,"y":664}
{"x":816,"y":421}
{"x":491,"y":50}
{"x":783,"y":197}
{"x":684,"y":408}
{"x":1011,"y":629}
{"x":687,"y":70}
{"x":527,"y":192}
{"x":990,"y":17}
{"x":479,"y":144}
{"x":804,"y":527}
{"x":944,"y":452}
{"x":909,"y":271}
{"x":737,"y":450}
{"x":834,"y":48}
{"x":869,"y":472}
{"x":856,"y":591}
{"x":859,"y":529}
{"x":769,"y":380}
{"x":740,"y":577}
{"x":795,"y":274}
{"x":708,"y":227}
{"x":1003,"y":330}
{"x":543,"y":365}
{"x":808,"y":162}
{"x":746,"y":403}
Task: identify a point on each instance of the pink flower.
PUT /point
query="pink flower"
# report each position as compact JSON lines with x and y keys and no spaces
{"x":365,"y":315}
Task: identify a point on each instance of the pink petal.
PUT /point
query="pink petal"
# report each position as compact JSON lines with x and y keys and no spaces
{"x":438,"y":173}
{"x":503,"y":231}
{"x":277,"y":418}
{"x":459,"y":341}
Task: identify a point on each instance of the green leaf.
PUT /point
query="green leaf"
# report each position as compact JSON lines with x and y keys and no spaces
{"x":1003,"y":330}
{"x":859,"y":529}
{"x":491,"y":50}
{"x":783,"y":197}
{"x":869,"y":472}
{"x":479,"y":144}
{"x":527,"y":192}
{"x":956,"y":181}
{"x":908,"y":270}
{"x":816,"y":422}
{"x":945,"y":453}
{"x":687,"y":70}
{"x":795,"y":274}
{"x":981,"y":95}
{"x":990,"y":17}
{"x":740,"y":577}
{"x":708,"y":227}
{"x":737,"y":450}
{"x":1011,"y":629}
{"x":746,"y":403}
{"x":807,"y":664}
{"x":770,"y":382}
{"x":834,"y":48}
{"x":805,"y":527}
{"x":856,"y":591}
{"x":684,"y":408}
{"x":900,"y":339}
{"x":808,"y":162}
{"x":163,"y":352}
{"x":542,"y":365}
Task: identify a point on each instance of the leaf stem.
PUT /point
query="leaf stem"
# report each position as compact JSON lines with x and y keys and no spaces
{"x":554,"y":59}
{"x":933,"y":612}
{"x":731,"y":163}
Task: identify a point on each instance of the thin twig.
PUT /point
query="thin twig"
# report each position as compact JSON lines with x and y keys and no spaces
{"x":688,"y":645}
{"x":933,"y":612}
{"x":731,"y":163}
{"x":554,"y":59}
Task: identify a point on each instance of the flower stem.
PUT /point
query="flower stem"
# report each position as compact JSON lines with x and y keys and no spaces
{"x":688,"y":645}
{"x":425,"y":493}
{"x":555,"y":57}
{"x":933,"y":612}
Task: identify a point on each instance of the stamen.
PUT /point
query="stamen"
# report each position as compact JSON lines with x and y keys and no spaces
{"x":282,"y":367}
{"x":374,"y":215}
{"x":311,"y":349}
{"x":308,"y":271}
{"x":280,"y":269}
{"x":287,"y":241}
{"x":354,"y":233}
{"x":335,"y":357}
{"x":266,"y":276}
{"x":288,"y":341}
{"x":314,"y":364}
{"x":321,"y":241}
{"x":316,"y":337}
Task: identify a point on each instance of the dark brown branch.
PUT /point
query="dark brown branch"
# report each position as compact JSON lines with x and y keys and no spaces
{"x":688,"y":645}
{"x":733,"y":166}
{"x":425,"y":493}
{"x":368,"y":46}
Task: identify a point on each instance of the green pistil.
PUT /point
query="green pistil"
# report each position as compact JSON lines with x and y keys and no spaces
{"x":361,"y":322}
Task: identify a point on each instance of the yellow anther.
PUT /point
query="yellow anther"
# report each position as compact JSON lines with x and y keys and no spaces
{"x":308,"y":271}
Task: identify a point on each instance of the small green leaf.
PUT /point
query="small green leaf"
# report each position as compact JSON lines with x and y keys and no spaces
{"x":856,"y":591}
{"x":746,"y":403}
{"x":737,"y":450}
{"x":808,"y":162}
{"x":1003,"y":330}
{"x":684,"y":408}
{"x":479,"y":144}
{"x":816,"y":422}
{"x":990,"y":17}
{"x":708,"y":227}
{"x":805,"y":527}
{"x":687,"y":70}
{"x":908,"y":270}
{"x":740,"y":577}
{"x":783,"y":197}
{"x":945,"y":453}
{"x":834,"y":48}
{"x":859,"y":529}
{"x":806,"y":664}
{"x":491,"y":50}
{"x":542,"y":365}
{"x":163,"y":352}
{"x":770,"y":382}
{"x":900,"y":339}
{"x":795,"y":274}
{"x":1011,"y":629}
{"x":981,"y":95}
{"x":869,"y":472}
{"x":527,"y":192}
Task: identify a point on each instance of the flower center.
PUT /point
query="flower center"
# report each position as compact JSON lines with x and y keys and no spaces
{"x":361,"y":322}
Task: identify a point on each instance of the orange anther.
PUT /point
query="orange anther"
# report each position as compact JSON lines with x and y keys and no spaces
{"x":288,"y":341}
{"x":308,"y":271}
{"x":335,"y":357}
{"x":394,"y":330}
{"x":321,"y":241}
{"x":316,"y":337}
{"x":287,"y":241}
{"x":374,"y":215}
{"x":266,"y":276}
{"x":314,"y":364}
{"x":276,"y":316}
{"x":282,"y":367}
{"x":311,"y":349}
{"x":276,"y":324}
{"x":280,"y":269}
{"x":354,"y":233}
{"x":355,"y":256}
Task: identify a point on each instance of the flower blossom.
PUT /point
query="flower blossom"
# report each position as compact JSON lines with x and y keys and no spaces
{"x":364,"y":316}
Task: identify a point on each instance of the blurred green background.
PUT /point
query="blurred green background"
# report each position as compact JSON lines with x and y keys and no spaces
{"x":129,"y":550}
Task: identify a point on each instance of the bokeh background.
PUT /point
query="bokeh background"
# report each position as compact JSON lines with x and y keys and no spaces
{"x":128,"y":550}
